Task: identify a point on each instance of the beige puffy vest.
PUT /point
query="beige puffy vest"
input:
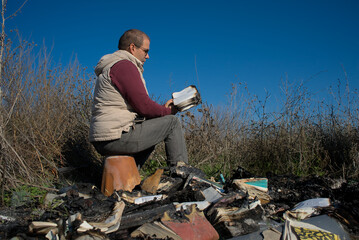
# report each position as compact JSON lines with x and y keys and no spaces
{"x":111,"y":114}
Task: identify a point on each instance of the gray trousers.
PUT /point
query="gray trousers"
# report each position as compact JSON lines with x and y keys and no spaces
{"x":141,"y":140}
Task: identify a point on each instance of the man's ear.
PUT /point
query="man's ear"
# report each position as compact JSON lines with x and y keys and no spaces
{"x":131,"y":48}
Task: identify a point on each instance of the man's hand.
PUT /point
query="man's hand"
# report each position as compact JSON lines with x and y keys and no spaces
{"x":169,"y":104}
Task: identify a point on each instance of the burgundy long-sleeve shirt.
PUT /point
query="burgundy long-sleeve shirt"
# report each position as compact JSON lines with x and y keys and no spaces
{"x":125,"y":76}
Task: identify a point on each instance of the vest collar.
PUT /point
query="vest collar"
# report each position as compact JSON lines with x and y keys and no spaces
{"x":132,"y":58}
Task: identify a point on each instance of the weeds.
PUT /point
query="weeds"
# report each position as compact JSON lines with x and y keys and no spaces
{"x":305,"y":137}
{"x":45,"y":112}
{"x":27,"y":195}
{"x":44,"y":108}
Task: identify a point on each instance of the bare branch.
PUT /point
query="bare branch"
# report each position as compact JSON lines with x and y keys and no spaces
{"x":19,"y":9}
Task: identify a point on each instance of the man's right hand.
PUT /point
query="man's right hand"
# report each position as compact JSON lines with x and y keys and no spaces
{"x":169,"y":104}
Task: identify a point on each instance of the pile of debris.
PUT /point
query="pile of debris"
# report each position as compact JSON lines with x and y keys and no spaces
{"x":181,"y":203}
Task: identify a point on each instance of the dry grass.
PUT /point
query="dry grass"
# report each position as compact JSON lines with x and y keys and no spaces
{"x":44,"y":108}
{"x":45,"y":112}
{"x":304,"y":137}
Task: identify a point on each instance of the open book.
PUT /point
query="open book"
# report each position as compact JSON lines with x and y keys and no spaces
{"x":187,"y":98}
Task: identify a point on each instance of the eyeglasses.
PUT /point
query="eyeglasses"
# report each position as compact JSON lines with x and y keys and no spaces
{"x":144,"y":50}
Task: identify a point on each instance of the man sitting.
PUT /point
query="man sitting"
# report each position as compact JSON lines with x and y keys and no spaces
{"x":125,"y":121}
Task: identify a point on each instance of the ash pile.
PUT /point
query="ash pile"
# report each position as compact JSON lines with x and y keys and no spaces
{"x":181,"y":203}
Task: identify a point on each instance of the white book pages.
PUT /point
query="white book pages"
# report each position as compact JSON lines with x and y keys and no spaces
{"x":185,"y":94}
{"x":187,"y":98}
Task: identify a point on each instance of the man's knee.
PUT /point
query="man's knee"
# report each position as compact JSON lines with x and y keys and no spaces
{"x":173,"y":120}
{"x":171,"y":117}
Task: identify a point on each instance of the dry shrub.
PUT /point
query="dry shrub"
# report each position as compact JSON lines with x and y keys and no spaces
{"x":303,"y":137}
{"x":45,"y":110}
{"x":44,"y":106}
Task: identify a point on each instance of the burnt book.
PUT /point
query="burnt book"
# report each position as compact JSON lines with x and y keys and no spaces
{"x":187,"y":98}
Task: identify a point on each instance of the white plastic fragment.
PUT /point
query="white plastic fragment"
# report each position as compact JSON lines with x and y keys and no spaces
{"x":313,"y":203}
{"x":6,"y":218}
{"x":201,"y":205}
{"x":52,"y":236}
{"x":148,"y":198}
{"x":85,"y":226}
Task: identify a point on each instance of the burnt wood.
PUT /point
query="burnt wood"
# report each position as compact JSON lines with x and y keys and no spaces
{"x":141,"y":217}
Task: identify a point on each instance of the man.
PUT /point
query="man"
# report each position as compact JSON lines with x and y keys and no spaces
{"x":125,"y":121}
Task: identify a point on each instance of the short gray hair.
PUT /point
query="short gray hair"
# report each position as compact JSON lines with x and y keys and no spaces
{"x":134,"y":36}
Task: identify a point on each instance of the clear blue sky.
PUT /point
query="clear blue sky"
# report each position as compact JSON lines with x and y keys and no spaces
{"x":257,"y":42}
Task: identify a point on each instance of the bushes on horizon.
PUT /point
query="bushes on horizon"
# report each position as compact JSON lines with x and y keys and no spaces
{"x":45,"y":112}
{"x":44,"y":106}
{"x":304,"y":137}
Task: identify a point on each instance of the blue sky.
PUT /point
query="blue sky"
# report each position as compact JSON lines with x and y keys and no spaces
{"x":256,"y":42}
